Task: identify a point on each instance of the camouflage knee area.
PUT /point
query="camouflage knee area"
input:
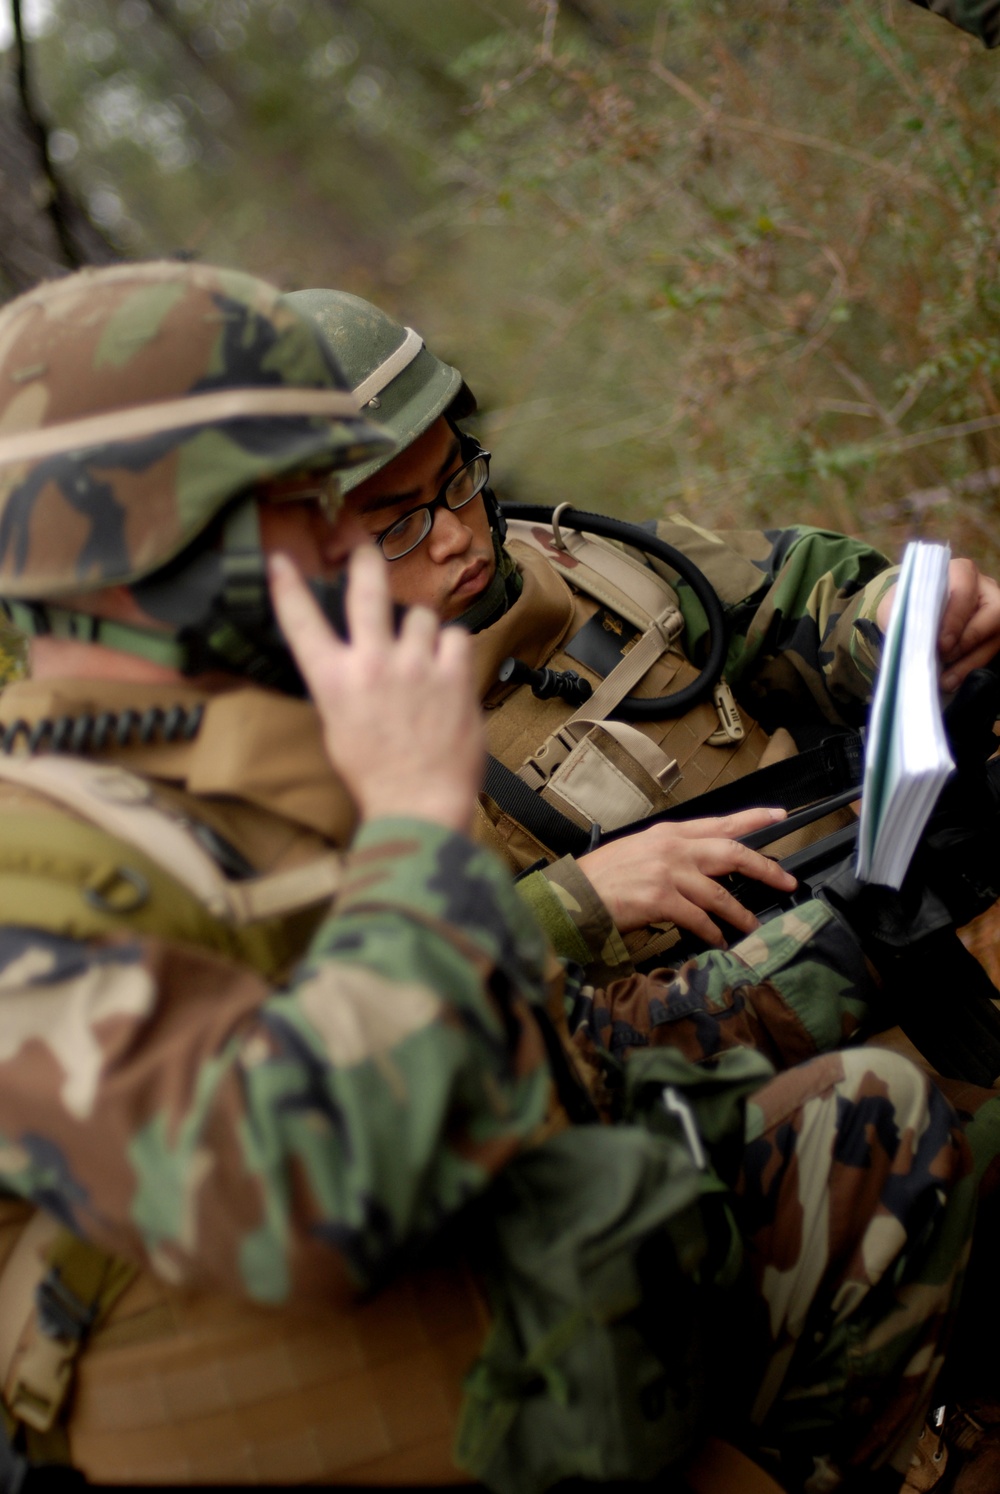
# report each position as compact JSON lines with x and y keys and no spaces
{"x":857,"y":1200}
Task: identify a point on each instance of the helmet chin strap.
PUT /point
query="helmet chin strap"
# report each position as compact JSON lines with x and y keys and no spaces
{"x":215,"y":607}
{"x":505,"y":588}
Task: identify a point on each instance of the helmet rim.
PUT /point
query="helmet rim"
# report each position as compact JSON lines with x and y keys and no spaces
{"x":364,"y":338}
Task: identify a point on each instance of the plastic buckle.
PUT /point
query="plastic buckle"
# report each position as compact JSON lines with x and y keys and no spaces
{"x":730,"y":729}
{"x":554,"y":751}
{"x":669,"y":624}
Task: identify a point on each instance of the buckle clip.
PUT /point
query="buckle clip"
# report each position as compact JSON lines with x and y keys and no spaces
{"x":730,"y":729}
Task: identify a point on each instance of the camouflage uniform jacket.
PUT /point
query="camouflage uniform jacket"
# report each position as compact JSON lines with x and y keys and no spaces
{"x":285,"y":1139}
{"x":181,"y":1110}
{"x":803,"y":645}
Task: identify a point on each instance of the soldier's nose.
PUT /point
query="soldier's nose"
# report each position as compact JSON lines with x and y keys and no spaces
{"x":448,"y":536}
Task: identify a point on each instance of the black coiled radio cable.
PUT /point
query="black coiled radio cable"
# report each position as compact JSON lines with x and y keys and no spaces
{"x":95,"y":733}
{"x":634,"y":707}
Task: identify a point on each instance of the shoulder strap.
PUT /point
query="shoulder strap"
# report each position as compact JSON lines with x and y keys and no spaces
{"x":120,"y":803}
{"x":600,"y":570}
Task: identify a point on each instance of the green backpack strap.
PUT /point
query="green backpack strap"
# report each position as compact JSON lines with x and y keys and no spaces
{"x":149,"y":847}
{"x":72,"y":879}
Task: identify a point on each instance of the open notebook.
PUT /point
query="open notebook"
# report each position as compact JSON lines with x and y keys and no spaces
{"x":907,"y":758}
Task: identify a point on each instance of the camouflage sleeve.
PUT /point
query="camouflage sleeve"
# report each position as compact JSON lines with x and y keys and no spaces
{"x":173,"y":1108}
{"x":796,"y":987}
{"x":799,"y":604}
{"x":979,"y":17}
{"x":576,"y":922}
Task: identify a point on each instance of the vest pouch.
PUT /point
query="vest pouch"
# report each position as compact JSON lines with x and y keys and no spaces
{"x":614,"y":776}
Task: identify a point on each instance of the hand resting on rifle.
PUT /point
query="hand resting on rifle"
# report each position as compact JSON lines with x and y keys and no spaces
{"x":669,"y":872}
{"x":401,"y":720}
{"x":970,"y":626}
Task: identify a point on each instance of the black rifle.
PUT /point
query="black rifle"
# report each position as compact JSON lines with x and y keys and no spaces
{"x":935,"y":990}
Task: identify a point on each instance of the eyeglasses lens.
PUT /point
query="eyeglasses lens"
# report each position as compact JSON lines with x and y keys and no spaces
{"x":467,"y":482}
{"x":407,"y":534}
{"x":459,"y":490}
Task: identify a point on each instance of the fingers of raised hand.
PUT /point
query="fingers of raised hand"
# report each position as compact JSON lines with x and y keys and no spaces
{"x":367,"y":603}
{"x":306,"y":630}
{"x":418,"y":635}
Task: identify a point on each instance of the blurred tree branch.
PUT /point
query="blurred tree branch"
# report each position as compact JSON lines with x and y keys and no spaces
{"x":39,"y":136}
{"x":43,"y":229}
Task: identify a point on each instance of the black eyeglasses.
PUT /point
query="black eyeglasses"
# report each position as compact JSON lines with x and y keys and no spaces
{"x":461,"y":487}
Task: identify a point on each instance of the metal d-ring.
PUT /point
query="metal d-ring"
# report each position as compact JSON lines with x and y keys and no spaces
{"x":557,"y":538}
{"x":132,"y":879}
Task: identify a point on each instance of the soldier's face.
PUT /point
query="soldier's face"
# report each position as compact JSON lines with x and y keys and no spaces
{"x":455,"y":562}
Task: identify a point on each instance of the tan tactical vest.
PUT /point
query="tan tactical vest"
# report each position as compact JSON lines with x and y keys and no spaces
{"x":590,"y":768}
{"x":173,"y":1386}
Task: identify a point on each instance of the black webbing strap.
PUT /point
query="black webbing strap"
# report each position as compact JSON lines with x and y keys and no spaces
{"x":830,"y":768}
{"x":553,"y":828}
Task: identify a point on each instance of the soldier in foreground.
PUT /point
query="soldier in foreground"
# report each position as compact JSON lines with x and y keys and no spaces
{"x":227,"y":1111}
{"x":200,"y":1069}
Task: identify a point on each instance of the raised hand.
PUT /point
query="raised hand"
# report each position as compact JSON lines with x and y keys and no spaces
{"x":401,"y":721}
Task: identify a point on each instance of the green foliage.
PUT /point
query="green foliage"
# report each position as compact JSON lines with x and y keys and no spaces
{"x":768,"y":279}
{"x":739,"y":256}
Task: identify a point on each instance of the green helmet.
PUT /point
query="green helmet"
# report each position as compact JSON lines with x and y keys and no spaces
{"x":401,"y":384}
{"x":139,"y":404}
{"x":397,"y":381}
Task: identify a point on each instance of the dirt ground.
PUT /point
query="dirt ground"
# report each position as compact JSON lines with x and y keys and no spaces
{"x":982,"y":938}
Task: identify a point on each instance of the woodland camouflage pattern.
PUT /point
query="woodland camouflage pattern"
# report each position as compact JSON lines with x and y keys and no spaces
{"x":800,"y":609}
{"x":856,"y":1200}
{"x":290,"y":1142}
{"x":845,"y":1378}
{"x":130,"y":336}
{"x":797,"y":986}
{"x":158,"y":1100}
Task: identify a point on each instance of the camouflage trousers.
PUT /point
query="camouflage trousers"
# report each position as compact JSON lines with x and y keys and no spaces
{"x":856,"y":1200}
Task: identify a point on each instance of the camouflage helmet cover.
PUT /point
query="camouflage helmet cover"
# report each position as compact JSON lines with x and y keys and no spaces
{"x":399,"y":383}
{"x":137,"y":401}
